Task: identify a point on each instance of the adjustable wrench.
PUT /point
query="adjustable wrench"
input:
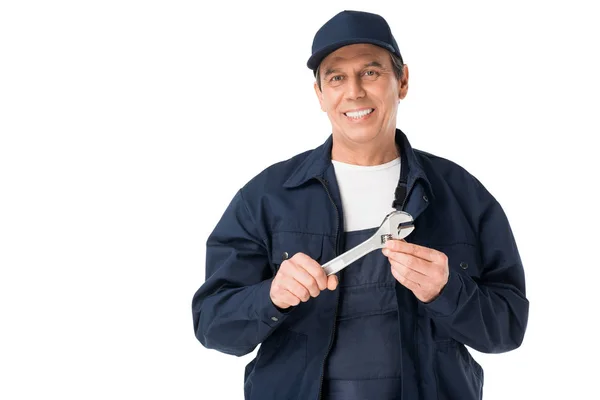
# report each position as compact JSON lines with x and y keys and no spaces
{"x":396,"y":225}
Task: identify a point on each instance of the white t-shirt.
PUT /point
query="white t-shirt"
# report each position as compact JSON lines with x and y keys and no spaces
{"x":367,"y":192}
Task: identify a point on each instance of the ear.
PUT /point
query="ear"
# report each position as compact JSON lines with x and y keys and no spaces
{"x":319,"y":95}
{"x":403,"y":83}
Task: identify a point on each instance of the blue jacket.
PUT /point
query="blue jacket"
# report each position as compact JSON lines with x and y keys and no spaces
{"x":294,"y":206}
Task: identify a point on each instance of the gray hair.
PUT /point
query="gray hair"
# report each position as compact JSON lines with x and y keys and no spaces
{"x":397,"y":66}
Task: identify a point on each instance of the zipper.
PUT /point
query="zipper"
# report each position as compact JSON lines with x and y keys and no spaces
{"x":337,"y":298}
{"x":416,"y":316}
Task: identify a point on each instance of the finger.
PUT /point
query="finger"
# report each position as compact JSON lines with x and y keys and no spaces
{"x":297,"y":289}
{"x":302,"y":276}
{"x":281,"y":304}
{"x":409,"y":261}
{"x":332,"y":282}
{"x":313,"y":268}
{"x":408,"y":273}
{"x":422,"y":252}
{"x":412,"y":286}
{"x":285,"y":296}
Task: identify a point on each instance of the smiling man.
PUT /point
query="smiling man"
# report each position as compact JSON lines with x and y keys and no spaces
{"x":359,"y":88}
{"x":393,"y":324}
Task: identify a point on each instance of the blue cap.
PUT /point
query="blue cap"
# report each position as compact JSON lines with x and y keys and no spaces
{"x":351,"y":27}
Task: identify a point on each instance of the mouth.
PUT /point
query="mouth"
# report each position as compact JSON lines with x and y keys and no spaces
{"x":359,"y":115}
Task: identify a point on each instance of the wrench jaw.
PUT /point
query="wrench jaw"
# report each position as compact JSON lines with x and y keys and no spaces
{"x":404,"y":229}
{"x":396,"y":225}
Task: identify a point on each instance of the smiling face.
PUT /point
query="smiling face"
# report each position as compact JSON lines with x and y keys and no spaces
{"x":360,"y":93}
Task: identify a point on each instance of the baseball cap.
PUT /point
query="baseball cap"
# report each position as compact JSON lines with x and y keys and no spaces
{"x":351,"y":27}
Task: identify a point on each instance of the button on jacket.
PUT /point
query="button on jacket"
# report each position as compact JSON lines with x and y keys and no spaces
{"x":294,"y":206}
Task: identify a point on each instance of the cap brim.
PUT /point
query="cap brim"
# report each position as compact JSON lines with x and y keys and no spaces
{"x":315,"y":60}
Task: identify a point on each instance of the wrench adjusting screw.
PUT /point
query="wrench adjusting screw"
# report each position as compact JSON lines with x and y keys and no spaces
{"x":385,"y":238}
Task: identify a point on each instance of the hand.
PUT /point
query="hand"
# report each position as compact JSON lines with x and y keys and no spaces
{"x":299,"y":278}
{"x":422,"y":270}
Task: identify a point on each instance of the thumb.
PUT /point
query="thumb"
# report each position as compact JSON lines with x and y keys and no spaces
{"x":332,"y":282}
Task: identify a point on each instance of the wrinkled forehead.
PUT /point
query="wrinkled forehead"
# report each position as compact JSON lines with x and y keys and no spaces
{"x":356,"y":54}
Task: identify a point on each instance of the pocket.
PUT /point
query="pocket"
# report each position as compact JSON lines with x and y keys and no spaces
{"x":367,"y":300}
{"x":280,"y":362}
{"x":286,"y":244}
{"x":464,"y":258}
{"x":458,"y":375}
{"x":367,"y":347}
{"x":282,"y":346}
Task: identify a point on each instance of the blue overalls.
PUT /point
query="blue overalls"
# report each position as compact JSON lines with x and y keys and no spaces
{"x":367,"y":329}
{"x":367,"y":324}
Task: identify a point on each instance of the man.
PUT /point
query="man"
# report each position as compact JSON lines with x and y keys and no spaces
{"x":394,"y":324}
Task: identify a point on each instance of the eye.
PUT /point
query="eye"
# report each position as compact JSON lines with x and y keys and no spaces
{"x":336,"y":78}
{"x":371,"y":73}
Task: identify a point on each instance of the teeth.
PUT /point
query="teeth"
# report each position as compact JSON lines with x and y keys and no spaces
{"x":359,"y":114}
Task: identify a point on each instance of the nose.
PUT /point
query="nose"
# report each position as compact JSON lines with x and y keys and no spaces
{"x":354,"y":88}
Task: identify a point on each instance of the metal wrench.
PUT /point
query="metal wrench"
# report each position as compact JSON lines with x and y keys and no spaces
{"x":395,"y":225}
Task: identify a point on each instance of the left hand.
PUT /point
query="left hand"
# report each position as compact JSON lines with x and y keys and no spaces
{"x":422,"y":270}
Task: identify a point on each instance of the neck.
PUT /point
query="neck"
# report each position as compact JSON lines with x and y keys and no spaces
{"x":375,"y":152}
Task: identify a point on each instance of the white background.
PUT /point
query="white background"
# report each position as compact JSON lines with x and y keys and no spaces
{"x":127,"y":126}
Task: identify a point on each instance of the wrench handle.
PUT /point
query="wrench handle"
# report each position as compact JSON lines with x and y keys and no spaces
{"x":344,"y":259}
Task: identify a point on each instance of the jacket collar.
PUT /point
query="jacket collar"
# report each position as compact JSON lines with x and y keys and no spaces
{"x":317,"y":162}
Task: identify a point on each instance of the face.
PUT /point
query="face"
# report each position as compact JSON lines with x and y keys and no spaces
{"x":360,"y":93}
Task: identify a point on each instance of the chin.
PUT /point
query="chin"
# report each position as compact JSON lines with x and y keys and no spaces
{"x":361,"y":135}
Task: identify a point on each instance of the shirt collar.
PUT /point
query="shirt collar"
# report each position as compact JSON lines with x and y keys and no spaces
{"x":317,"y":162}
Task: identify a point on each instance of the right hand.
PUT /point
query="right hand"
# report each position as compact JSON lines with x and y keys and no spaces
{"x":299,"y":278}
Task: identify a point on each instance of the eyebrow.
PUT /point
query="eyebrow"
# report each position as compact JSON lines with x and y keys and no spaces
{"x":330,"y":71}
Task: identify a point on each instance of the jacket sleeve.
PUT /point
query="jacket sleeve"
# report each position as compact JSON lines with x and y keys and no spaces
{"x":489,"y":315}
{"x":232,"y":310}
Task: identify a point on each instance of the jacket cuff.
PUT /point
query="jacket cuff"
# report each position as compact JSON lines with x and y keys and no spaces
{"x":447,"y":301}
{"x":268,"y":312}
